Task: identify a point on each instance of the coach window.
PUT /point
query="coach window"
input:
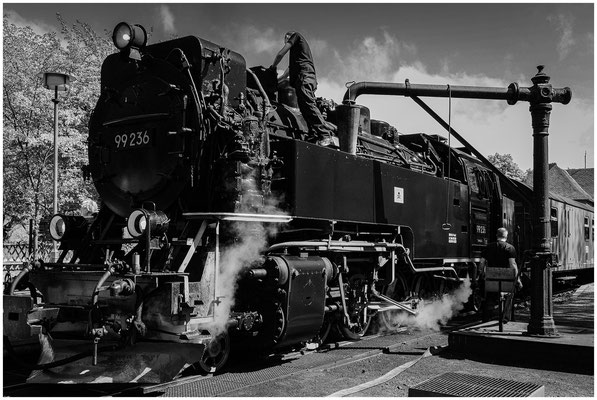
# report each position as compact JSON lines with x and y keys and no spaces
{"x":554,"y":221}
{"x":587,"y":229}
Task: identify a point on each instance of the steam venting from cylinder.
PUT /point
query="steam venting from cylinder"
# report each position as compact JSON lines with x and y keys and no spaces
{"x":251,"y":239}
{"x":433,"y":315}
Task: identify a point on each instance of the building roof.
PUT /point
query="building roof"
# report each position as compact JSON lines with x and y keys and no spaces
{"x":563,"y":184}
{"x":562,"y":199}
{"x":585,"y":178}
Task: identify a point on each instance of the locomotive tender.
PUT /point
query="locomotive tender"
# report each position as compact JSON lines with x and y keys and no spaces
{"x":221,"y":222}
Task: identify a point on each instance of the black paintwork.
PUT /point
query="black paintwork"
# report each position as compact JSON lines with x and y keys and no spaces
{"x":328,"y":184}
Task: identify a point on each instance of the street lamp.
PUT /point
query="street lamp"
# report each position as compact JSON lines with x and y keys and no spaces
{"x":55,"y":81}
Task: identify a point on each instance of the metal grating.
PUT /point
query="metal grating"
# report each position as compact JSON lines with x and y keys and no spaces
{"x":465,"y":385}
{"x":262,"y":375}
{"x":202,"y":388}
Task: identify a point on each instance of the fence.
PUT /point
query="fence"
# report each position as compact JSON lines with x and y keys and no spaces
{"x":15,"y":254}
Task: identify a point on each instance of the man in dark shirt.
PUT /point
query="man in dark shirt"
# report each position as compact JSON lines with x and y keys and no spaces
{"x":500,"y":254}
{"x":302,"y":78}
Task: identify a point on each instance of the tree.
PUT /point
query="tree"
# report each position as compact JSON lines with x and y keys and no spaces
{"x":506,"y":164}
{"x":28,"y":117}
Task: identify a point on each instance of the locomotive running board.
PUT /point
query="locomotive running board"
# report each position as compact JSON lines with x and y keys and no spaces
{"x":240,"y":217}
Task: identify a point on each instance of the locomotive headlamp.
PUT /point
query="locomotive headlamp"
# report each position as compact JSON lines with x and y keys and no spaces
{"x":127,"y":35}
{"x":140,"y":220}
{"x":66,"y":227}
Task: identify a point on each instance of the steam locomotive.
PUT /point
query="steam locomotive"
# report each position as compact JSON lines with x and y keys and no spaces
{"x":221,"y":222}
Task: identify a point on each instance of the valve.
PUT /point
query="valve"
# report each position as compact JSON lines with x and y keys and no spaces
{"x":97,"y":334}
{"x":122,"y":287}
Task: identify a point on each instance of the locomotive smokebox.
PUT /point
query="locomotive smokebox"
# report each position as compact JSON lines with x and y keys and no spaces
{"x":348,"y":126}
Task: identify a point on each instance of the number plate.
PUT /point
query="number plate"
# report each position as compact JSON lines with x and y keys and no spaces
{"x":132,"y":140}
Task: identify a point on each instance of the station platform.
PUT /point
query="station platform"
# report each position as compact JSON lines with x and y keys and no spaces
{"x":572,"y":348}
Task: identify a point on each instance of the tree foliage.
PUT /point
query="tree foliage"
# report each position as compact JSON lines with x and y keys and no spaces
{"x":28,"y":117}
{"x":506,"y":164}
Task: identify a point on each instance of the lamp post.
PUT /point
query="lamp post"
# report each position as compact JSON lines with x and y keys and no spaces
{"x":55,"y":81}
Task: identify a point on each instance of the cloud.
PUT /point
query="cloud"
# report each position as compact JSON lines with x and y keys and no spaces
{"x":257,"y":45}
{"x":372,"y":58}
{"x":250,"y":39}
{"x":38,"y":27}
{"x":319,"y":48}
{"x":167,"y":19}
{"x":590,"y":42}
{"x":564,"y":26}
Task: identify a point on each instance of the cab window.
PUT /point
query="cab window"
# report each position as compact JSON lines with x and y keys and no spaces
{"x":553,"y":219}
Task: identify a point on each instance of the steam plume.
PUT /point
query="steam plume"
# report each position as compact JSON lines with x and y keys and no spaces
{"x":234,"y":259}
{"x":436,"y":313}
{"x":251,"y":240}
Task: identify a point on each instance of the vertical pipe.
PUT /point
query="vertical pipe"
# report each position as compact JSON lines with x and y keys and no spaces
{"x":348,"y":126}
{"x":55,"y":205}
{"x":216,"y":268}
{"x":31,"y":244}
{"x":541,"y":322}
{"x":540,"y":114}
{"x":147,"y":244}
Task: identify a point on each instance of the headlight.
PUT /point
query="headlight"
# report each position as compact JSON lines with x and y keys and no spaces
{"x":140,"y":219}
{"x":65,"y":227}
{"x":126,"y":35}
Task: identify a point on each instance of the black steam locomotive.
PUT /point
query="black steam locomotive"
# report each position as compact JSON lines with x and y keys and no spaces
{"x":221,"y":222}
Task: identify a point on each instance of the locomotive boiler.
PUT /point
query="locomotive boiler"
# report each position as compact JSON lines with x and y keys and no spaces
{"x":221,"y":222}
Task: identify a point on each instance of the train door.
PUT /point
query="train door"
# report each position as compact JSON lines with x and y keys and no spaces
{"x":560,"y":231}
{"x":479,"y":203}
{"x":497,"y":215}
{"x":508,"y":219}
{"x":588,"y":232}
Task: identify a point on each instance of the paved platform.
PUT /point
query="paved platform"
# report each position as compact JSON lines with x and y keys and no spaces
{"x":573,"y":347}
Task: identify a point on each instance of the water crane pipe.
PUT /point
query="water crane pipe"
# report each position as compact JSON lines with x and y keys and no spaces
{"x":512,"y":94}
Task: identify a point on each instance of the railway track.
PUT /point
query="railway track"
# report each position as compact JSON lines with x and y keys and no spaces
{"x":244,"y":374}
{"x":247,"y":373}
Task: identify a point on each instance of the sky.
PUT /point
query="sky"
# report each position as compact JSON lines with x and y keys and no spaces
{"x":472,"y":44}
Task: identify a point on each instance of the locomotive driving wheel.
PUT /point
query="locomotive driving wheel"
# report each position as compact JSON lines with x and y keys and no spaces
{"x":426,"y":287}
{"x":216,"y":354}
{"x":326,"y":328}
{"x":357,"y":300}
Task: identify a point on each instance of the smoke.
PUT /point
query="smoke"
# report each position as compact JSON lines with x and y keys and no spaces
{"x":434,"y":314}
{"x":167,"y":19}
